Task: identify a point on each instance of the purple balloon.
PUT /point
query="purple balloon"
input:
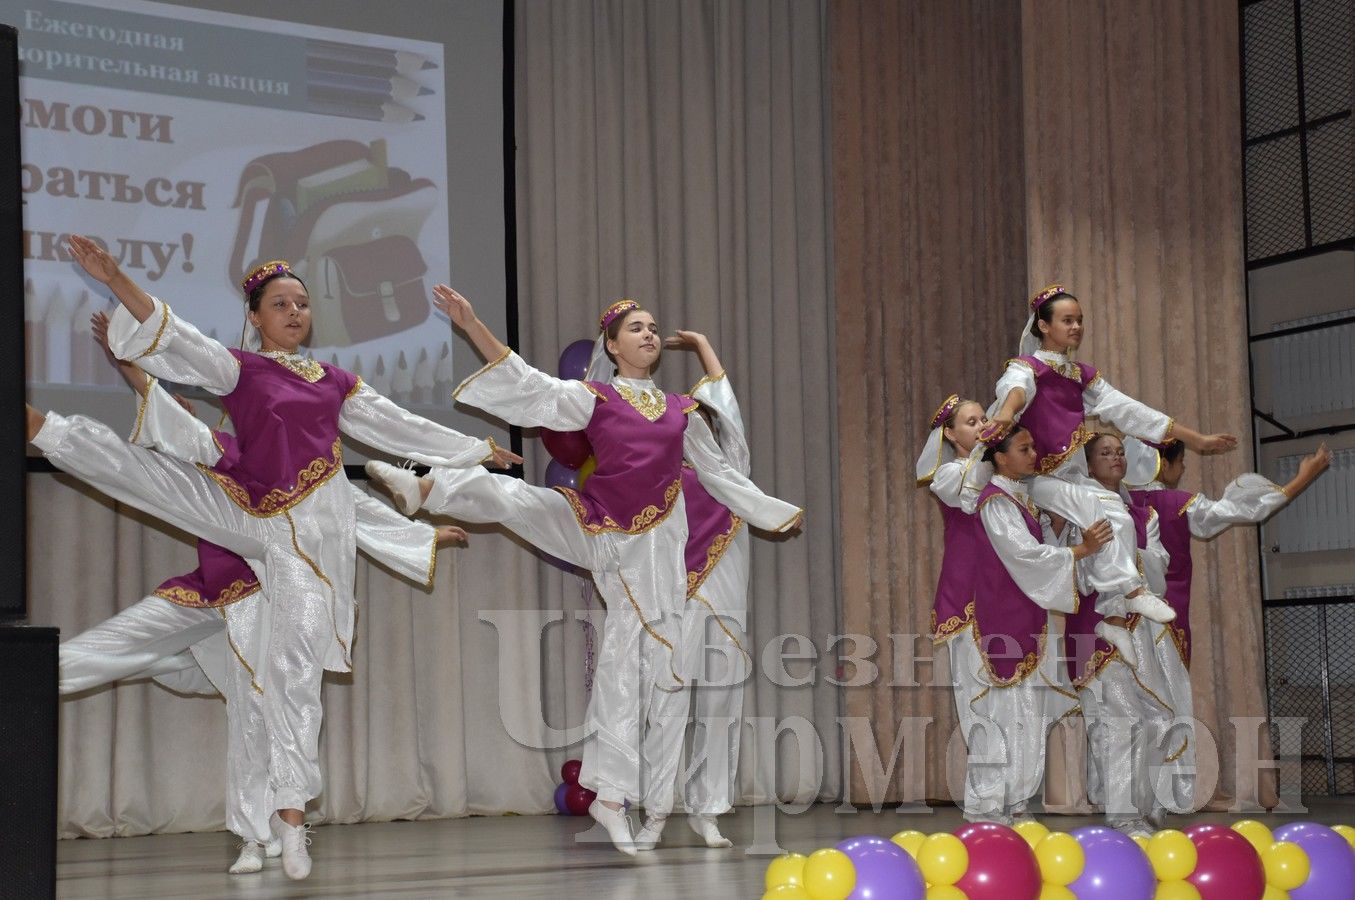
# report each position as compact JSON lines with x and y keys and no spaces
{"x":574,"y":359}
{"x":560,"y":475}
{"x":1331,"y":874}
{"x":560,"y":805}
{"x":884,"y":870}
{"x":1116,"y":867}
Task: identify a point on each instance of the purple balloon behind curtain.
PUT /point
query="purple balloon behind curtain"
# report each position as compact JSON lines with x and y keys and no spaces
{"x":574,"y":359}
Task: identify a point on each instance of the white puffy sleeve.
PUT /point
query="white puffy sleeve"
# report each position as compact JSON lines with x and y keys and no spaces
{"x":1102,"y":400}
{"x":952,"y":487}
{"x":1155,"y":558}
{"x":1247,"y":500}
{"x":521,"y":395}
{"x":730,"y":487}
{"x":380,"y":423}
{"x":1044,"y":573}
{"x":717,"y":395}
{"x":163,"y":425}
{"x":1018,"y":374}
{"x":170,"y":348}
{"x":407,"y":546}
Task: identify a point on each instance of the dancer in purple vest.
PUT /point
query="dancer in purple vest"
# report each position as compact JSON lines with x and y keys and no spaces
{"x":1052,"y":395}
{"x":627,"y":525}
{"x":1153,"y":474}
{"x":1014,"y":685}
{"x":282,"y":503}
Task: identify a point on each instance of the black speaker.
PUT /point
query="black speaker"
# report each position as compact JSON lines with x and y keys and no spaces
{"x":13,"y":441}
{"x":28,"y":728}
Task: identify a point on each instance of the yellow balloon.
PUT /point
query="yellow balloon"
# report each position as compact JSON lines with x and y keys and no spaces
{"x":1060,"y":857}
{"x":589,"y":465}
{"x":1141,"y":841}
{"x":1274,"y":893}
{"x":1172,"y":854}
{"x":1346,"y":832}
{"x":1286,"y":865}
{"x":1176,"y":890}
{"x":1056,"y":892}
{"x":829,"y":875}
{"x":787,"y":892}
{"x":943,"y":859}
{"x":909,"y":841}
{"x":786,"y":869}
{"x":1259,"y":835}
{"x":945,"y":892}
{"x":1032,"y":831}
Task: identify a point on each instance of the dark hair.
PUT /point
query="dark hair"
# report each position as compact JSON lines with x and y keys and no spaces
{"x":257,"y":294}
{"x":1045,"y":313}
{"x":1096,"y":438}
{"x":614,"y":328}
{"x":992,"y":450}
{"x":1173,"y":451}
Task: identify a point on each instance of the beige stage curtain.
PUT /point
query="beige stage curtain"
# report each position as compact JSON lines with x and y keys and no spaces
{"x":1109,"y":131}
{"x":676,"y":153}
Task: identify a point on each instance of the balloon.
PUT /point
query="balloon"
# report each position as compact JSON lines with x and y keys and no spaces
{"x":569,"y":448}
{"x":1228,"y":865}
{"x":829,"y":875}
{"x":1256,"y":833}
{"x":558,"y":475}
{"x":560,"y":805}
{"x":884,"y":871}
{"x":1056,"y":892}
{"x":573,"y":363}
{"x":1172,"y":854}
{"x":787,"y":892}
{"x":1032,"y":831}
{"x":1273,"y":893}
{"x":1286,"y":865}
{"x":1061,"y":858}
{"x":1346,"y":832}
{"x":945,"y":892}
{"x":1176,"y":890}
{"x":789,"y":868}
{"x":589,"y":466}
{"x":1331,"y":861}
{"x":569,"y":772}
{"x":578,"y":799}
{"x":1115,"y":869}
{"x":1001,"y":864}
{"x":1142,"y":841}
{"x":943,"y":859}
{"x":909,"y":841}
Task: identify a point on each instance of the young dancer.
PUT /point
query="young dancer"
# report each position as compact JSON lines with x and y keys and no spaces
{"x":282,"y":503}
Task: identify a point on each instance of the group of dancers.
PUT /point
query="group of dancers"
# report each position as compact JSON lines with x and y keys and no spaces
{"x":1066,"y":575}
{"x":659,"y":524}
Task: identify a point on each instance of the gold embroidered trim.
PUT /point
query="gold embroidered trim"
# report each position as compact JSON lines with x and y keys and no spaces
{"x":334,"y":624}
{"x":595,"y":392}
{"x":253,"y":682}
{"x":302,"y":366}
{"x":432,"y":561}
{"x":1181,"y":751}
{"x":648,"y":628}
{"x":279,"y":500}
{"x":480,"y":371}
{"x":979,"y":696}
{"x":1062,"y":690}
{"x":1149,"y":691}
{"x":1028,"y":664}
{"x":650,"y":403}
{"x":1019,"y":362}
{"x":1102,"y":658}
{"x":1188,"y":504}
{"x":644,"y":520}
{"x":236,"y":591}
{"x":216,"y":440}
{"x":729,"y":634}
{"x":1182,"y":644}
{"x":1075,"y":711}
{"x":1095,"y":378}
{"x":952,"y":625}
{"x":693,"y":406}
{"x":159,"y":332}
{"x":713,"y":553}
{"x":791,"y":522}
{"x":493,"y":449}
{"x":707,"y":379}
{"x":1076,"y":442}
{"x":141,"y":409}
{"x":1029,"y":505}
{"x":357,"y":384}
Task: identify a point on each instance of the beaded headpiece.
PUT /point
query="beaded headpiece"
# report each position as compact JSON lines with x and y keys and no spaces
{"x":261,"y":273}
{"x":619,"y":308}
{"x":1049,"y":293}
{"x":943,"y":412}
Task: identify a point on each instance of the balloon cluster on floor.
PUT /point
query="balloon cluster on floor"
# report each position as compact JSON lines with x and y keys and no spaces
{"x":985,"y":861}
{"x":572,"y":798}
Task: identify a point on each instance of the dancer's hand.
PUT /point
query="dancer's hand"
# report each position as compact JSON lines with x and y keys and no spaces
{"x":95,"y":260}
{"x":185,"y":403}
{"x":686,"y":340}
{"x":130,"y":371}
{"x":1094,"y":538}
{"x":1215,"y":443}
{"x":1312,"y":466}
{"x":501,"y":457}
{"x":450,"y":534}
{"x":996,"y":429}
{"x":454,"y":306}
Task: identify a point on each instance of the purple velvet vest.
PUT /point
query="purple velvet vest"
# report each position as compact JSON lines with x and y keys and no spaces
{"x":1009,"y":628}
{"x":1087,"y":653}
{"x":639,"y":464}
{"x":287,"y":430}
{"x":1174,"y":527}
{"x":953,"y":607}
{"x":710,"y":529}
{"x":1055,"y":417}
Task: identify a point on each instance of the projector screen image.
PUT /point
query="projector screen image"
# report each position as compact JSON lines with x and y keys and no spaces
{"x":195,"y":145}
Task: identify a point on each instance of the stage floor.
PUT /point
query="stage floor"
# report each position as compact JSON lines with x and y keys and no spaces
{"x":506,"y":856}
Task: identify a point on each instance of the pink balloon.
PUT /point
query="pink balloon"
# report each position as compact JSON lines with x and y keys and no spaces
{"x":569,"y":448}
{"x":1228,"y":868}
{"x":578,"y":799}
{"x":1001,"y":864}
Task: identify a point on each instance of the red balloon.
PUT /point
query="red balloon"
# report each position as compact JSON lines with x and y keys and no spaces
{"x":569,"y":772}
{"x":1229,"y":867}
{"x":578,"y":799}
{"x":1002,"y":866}
{"x":569,"y":448}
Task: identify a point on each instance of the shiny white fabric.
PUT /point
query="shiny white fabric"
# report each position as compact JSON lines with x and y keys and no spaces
{"x":1247,"y":500}
{"x":1046,"y":574}
{"x":1099,"y":399}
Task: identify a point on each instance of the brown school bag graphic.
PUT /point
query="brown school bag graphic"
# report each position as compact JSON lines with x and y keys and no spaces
{"x":349,"y":225}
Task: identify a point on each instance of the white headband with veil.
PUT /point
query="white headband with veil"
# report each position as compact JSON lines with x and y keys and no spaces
{"x":600,"y":365}
{"x":1029,"y":342}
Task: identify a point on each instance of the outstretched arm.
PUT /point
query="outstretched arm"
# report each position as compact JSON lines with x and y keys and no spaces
{"x":1250,"y":499}
{"x":103,"y":268}
{"x":459,"y":310}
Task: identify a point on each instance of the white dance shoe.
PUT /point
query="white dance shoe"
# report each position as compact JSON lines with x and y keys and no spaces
{"x":649,"y":836}
{"x":1119,"y":637}
{"x":401,"y":484}
{"x":1133,"y":827}
{"x":295,"y":841}
{"x":1150,"y":606}
{"x":250,"y":859}
{"x":709,"y":831}
{"x":617,"y":824}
